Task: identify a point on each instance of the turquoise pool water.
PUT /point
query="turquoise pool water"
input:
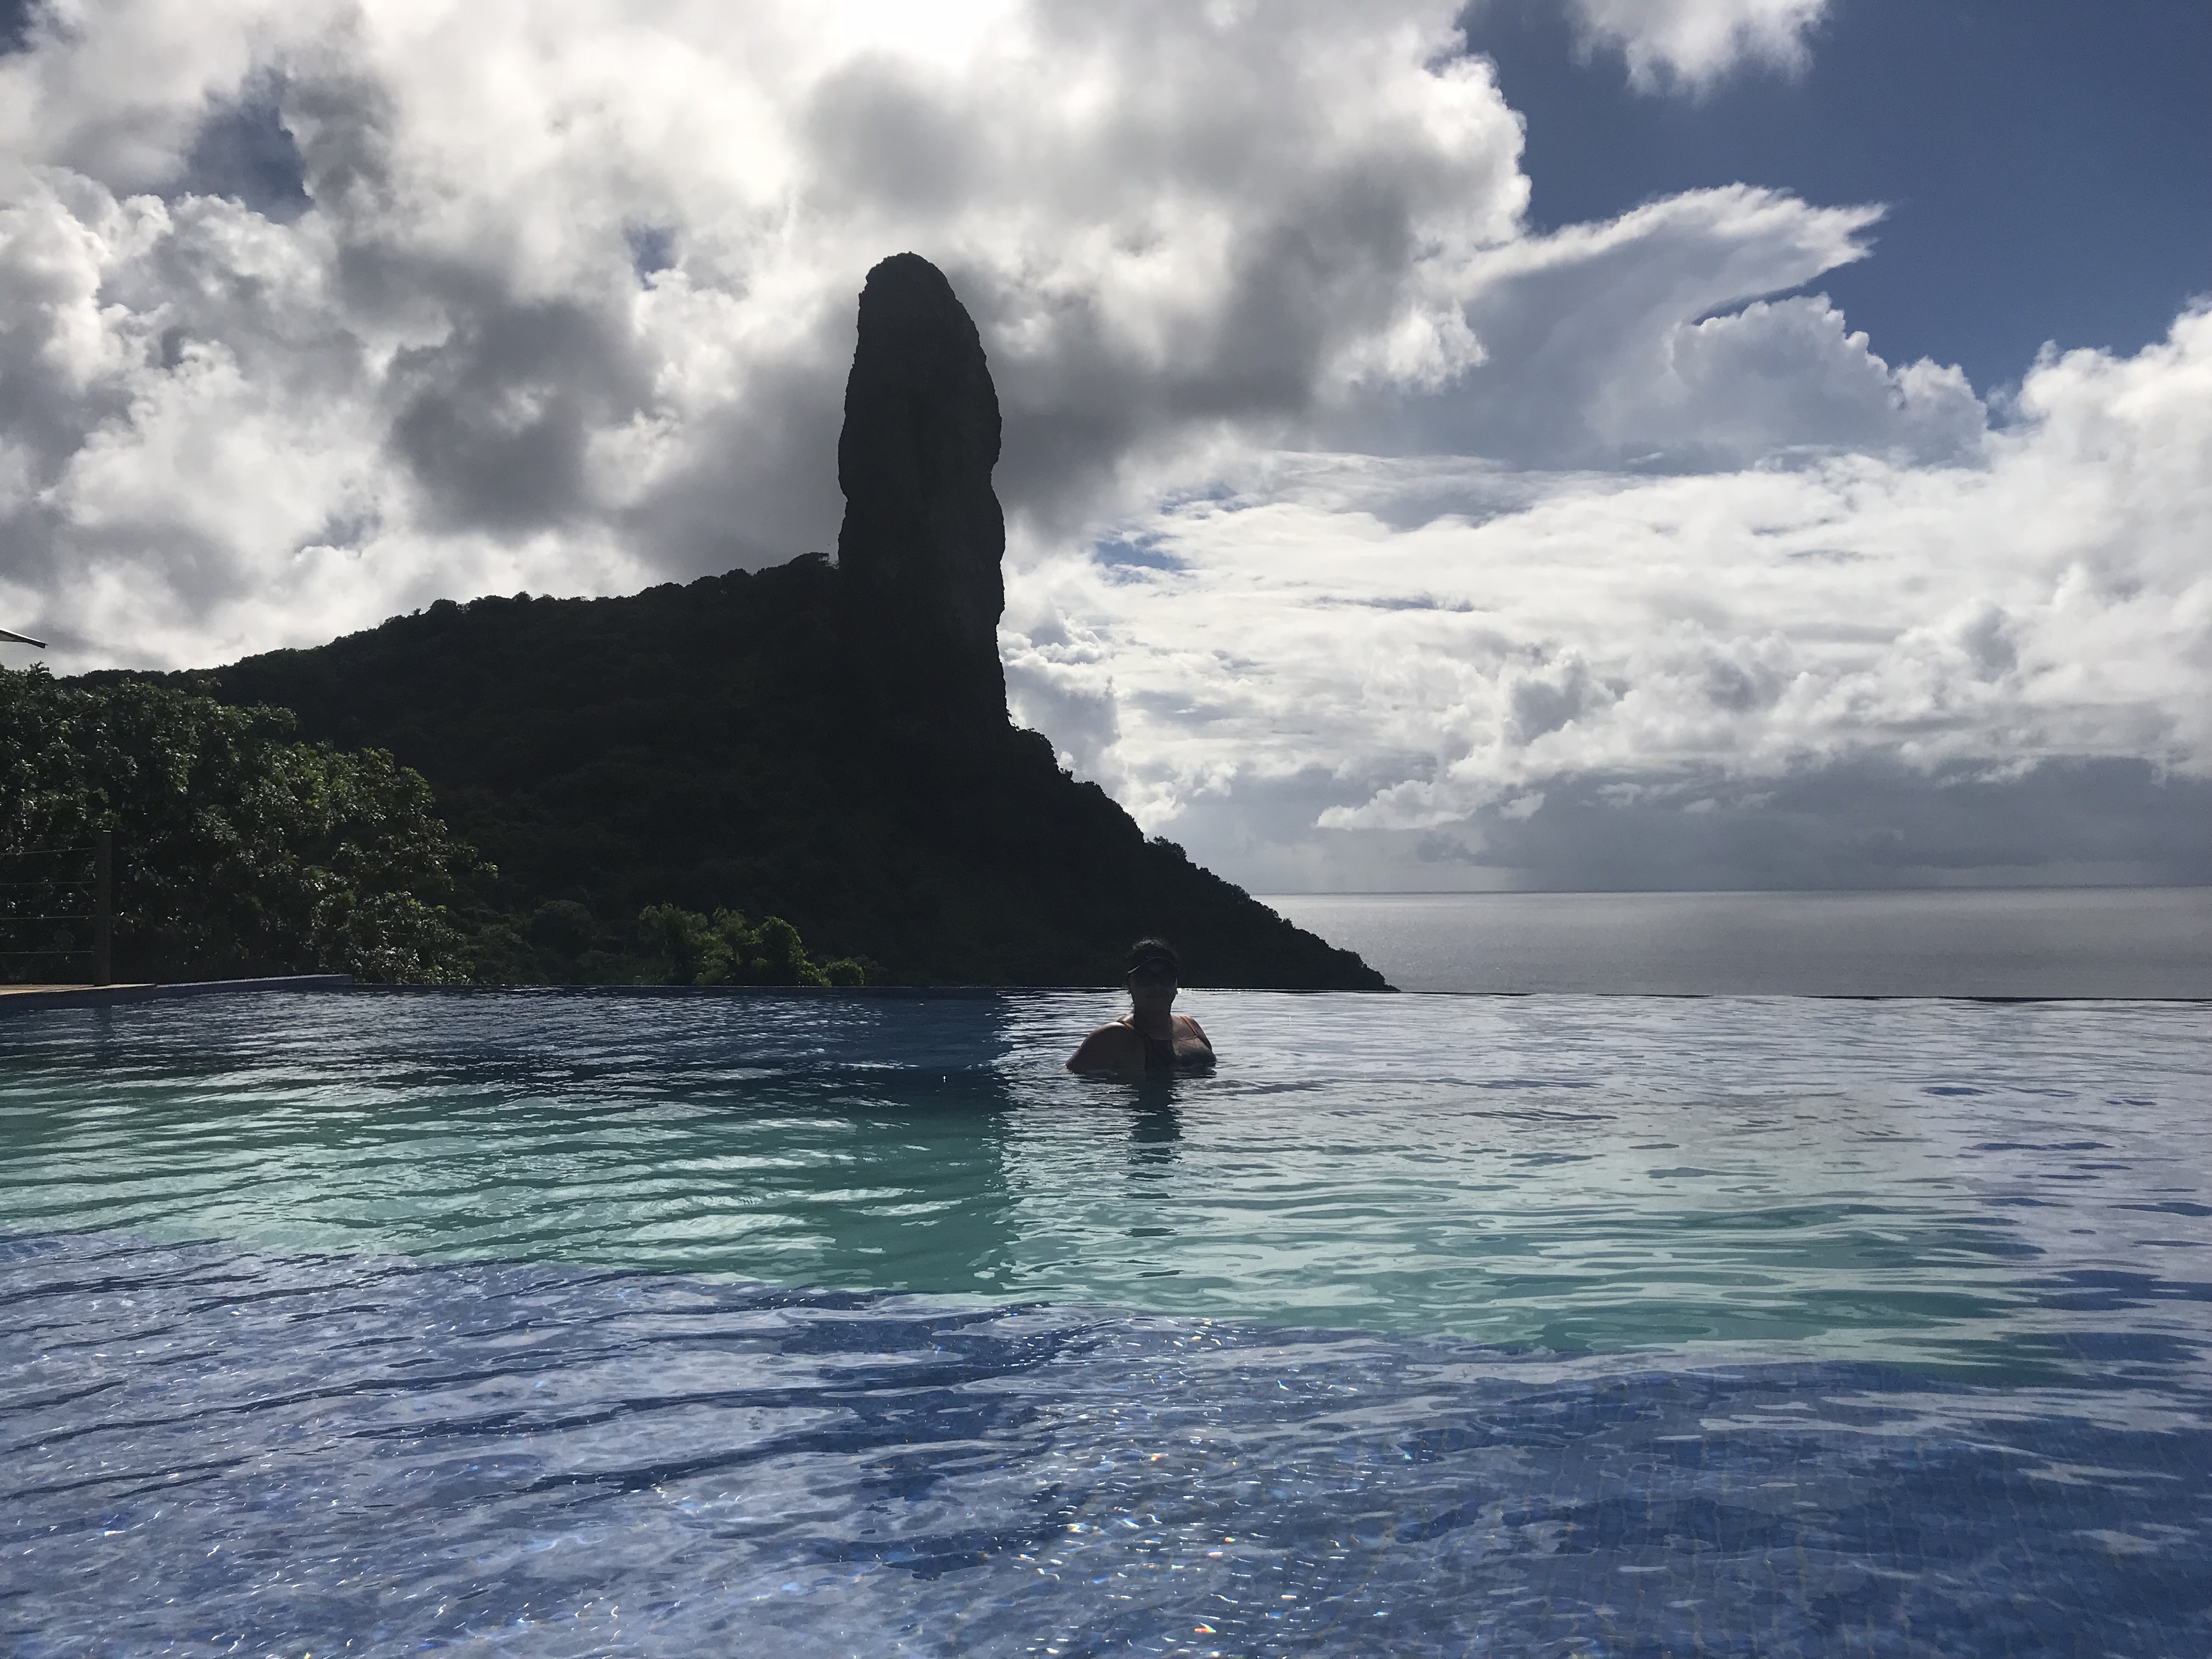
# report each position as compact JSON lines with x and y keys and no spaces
{"x":556,"y":1323}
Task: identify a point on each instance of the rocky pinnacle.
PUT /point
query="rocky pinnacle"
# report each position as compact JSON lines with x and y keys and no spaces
{"x":919,"y":549}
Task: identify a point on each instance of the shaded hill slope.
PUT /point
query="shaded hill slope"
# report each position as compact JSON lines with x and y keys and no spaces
{"x":716,"y":744}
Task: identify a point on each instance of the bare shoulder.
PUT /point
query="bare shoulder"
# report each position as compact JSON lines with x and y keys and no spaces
{"x":1194,"y":1029}
{"x":1111,"y":1047}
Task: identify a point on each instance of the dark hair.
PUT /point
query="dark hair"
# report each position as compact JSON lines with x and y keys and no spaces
{"x":1151,"y":955}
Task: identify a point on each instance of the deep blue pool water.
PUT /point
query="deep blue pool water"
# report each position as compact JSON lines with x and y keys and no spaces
{"x":597,"y":1324}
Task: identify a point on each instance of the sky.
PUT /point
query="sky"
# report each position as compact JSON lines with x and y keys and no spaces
{"x":1539,"y":444}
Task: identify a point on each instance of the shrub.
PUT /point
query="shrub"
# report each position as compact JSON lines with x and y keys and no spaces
{"x":687,"y":948}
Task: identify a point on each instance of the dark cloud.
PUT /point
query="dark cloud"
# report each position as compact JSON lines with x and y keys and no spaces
{"x":494,"y":421}
{"x":1260,"y":832}
{"x":757,"y":483}
{"x":881,"y":136}
{"x":651,"y":249}
{"x":343,"y":121}
{"x":15,"y":20}
{"x":245,"y":151}
{"x":1870,"y":822}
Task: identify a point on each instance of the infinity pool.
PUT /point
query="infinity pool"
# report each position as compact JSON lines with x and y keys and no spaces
{"x":547,"y":1323}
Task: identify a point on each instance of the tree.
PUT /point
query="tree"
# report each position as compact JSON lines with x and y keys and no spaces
{"x":239,"y":850}
{"x":724,"y":949}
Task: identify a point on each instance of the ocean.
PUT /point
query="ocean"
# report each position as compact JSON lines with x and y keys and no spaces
{"x":2139,"y":942}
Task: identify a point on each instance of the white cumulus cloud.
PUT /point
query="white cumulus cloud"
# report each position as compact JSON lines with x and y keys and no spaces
{"x":1689,"y":45}
{"x":1381,"y":658}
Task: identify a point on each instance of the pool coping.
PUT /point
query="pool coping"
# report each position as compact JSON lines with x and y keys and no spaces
{"x":101,"y":996}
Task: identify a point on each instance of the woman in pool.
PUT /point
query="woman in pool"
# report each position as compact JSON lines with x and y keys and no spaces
{"x":1151,"y":1036}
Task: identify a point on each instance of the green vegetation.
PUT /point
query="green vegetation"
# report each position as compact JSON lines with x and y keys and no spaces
{"x":726,"y":949}
{"x":560,"y":943}
{"x":244,"y":850}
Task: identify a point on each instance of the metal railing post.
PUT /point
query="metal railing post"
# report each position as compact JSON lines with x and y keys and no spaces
{"x":103,"y":906}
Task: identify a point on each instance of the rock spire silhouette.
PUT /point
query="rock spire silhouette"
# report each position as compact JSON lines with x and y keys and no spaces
{"x":919,"y":549}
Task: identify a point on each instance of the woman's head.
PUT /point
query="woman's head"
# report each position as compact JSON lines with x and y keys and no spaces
{"x":1154,"y":972}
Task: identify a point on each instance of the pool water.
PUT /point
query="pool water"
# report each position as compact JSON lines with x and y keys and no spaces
{"x":596,"y":1324}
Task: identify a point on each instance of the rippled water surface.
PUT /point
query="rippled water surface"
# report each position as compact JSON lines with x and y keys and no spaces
{"x":613,"y":1324}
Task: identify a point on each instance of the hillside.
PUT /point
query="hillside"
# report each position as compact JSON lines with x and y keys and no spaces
{"x":710,"y":746}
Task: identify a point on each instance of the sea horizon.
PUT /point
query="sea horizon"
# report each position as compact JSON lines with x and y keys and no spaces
{"x":2147,"y":943}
